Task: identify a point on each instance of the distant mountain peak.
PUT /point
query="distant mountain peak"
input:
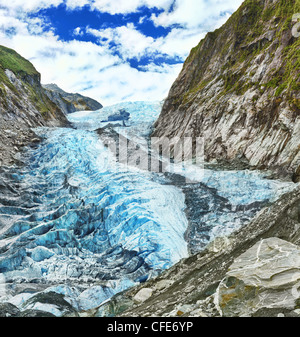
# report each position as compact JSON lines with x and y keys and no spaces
{"x":69,"y":102}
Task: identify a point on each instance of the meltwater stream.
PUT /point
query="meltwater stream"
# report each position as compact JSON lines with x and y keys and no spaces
{"x":74,"y":222}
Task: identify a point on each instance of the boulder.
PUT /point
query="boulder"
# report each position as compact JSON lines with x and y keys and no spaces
{"x":143,"y":295}
{"x":264,"y":279}
{"x":8,"y":310}
{"x":163,"y":284}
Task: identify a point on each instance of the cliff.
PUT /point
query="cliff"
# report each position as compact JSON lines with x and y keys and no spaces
{"x":23,"y":105}
{"x":239,"y":90}
{"x":70,"y":102}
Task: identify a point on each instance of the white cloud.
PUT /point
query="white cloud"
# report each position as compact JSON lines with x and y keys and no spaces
{"x":90,"y":69}
{"x":195,"y":13}
{"x":78,"y":31}
{"x":126,"y":83}
{"x":94,"y":69}
{"x":128,"y":6}
{"x":108,"y":6}
{"x":130,"y":42}
{"x":29,"y":5}
{"x":179,"y":42}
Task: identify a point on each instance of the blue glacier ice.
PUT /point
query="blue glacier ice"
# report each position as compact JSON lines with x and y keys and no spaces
{"x":142,"y":117}
{"x":76,"y":222}
{"x":85,"y":204}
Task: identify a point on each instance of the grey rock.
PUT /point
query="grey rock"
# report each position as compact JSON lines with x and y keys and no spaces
{"x":123,"y":115}
{"x":267,"y":276}
{"x":143,"y":295}
{"x":69,"y":102}
{"x":35,"y":313}
{"x":163,"y":284}
{"x":49,"y":302}
{"x":8,"y":310}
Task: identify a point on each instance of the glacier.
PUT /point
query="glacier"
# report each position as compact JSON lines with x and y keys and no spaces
{"x":76,"y":223}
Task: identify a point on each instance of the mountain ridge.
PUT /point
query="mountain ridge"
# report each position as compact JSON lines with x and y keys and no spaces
{"x":69,"y":102}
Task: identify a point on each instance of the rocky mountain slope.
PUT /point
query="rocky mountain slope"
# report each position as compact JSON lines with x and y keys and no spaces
{"x":253,"y":272}
{"x":240,"y":90}
{"x":23,"y":105}
{"x":70,"y":102}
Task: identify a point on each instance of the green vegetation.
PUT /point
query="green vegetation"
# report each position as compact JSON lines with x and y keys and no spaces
{"x":195,"y":90}
{"x":247,"y":16}
{"x":282,"y":13}
{"x":242,"y":38}
{"x":9,"y":59}
{"x":290,"y":79}
{"x":41,"y":101}
{"x":24,"y":70}
{"x":5,"y":80}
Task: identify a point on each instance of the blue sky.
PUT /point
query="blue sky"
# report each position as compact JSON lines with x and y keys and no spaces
{"x":113,"y":51}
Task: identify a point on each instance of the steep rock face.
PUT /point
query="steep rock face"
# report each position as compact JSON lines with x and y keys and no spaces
{"x":239,"y":89}
{"x":70,"y":102}
{"x":23,"y":105}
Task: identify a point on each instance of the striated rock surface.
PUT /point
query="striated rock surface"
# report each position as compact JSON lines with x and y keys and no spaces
{"x":239,"y":90}
{"x":68,"y":102}
{"x":23,"y":105}
{"x":266,"y":277}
